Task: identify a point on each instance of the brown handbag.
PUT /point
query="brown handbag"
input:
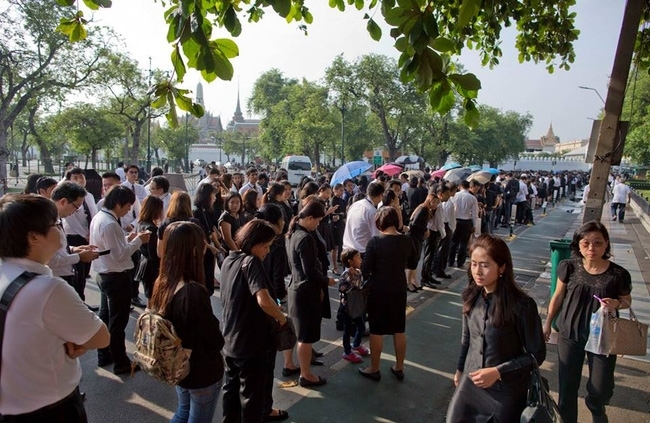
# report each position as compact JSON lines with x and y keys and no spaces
{"x":627,"y":336}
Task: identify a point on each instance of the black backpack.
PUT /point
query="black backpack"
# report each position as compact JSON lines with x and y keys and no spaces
{"x":512,"y":189}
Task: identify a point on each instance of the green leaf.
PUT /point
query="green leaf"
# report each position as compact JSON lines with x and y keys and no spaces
{"x":374,"y":30}
{"x":179,"y":66}
{"x":282,"y":7}
{"x":358,"y":4}
{"x":402,"y":44}
{"x":78,"y":32}
{"x":468,"y":10}
{"x":160,"y":101}
{"x":172,"y":116}
{"x":227,"y":47}
{"x":197,"y":110}
{"x":184,"y":103}
{"x":332,"y":3}
{"x":430,"y":24}
{"x":65,"y":2}
{"x":443,"y":45}
{"x":468,"y":81}
{"x":223,"y":67}
{"x":472,"y":115}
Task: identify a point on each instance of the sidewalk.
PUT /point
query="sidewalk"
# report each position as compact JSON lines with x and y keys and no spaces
{"x":433,"y":341}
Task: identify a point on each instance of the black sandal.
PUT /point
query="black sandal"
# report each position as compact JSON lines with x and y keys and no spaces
{"x":282,"y":415}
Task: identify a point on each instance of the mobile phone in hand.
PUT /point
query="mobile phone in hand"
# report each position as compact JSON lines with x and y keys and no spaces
{"x":103,"y":253}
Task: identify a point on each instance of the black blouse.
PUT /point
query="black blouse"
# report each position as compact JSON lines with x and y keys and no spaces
{"x":507,"y":347}
{"x":579,"y":302}
{"x":191,"y":314}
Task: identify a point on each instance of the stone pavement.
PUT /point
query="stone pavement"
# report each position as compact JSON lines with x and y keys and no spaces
{"x":433,"y":344}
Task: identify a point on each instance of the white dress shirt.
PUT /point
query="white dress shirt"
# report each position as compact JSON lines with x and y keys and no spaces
{"x":120,"y":172}
{"x":449,"y":215}
{"x":466,"y":205}
{"x":138,"y":189}
{"x":62,"y":261}
{"x":436,"y":223}
{"x":45,"y":314}
{"x":360,"y":225}
{"x":248,"y":186}
{"x":106,"y":234}
{"x":76,"y":223}
{"x":131,"y":218}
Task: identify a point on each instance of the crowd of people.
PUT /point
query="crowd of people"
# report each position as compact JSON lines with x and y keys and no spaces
{"x":270,"y":251}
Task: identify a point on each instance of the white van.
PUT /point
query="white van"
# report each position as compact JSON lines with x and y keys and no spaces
{"x":297,"y":167}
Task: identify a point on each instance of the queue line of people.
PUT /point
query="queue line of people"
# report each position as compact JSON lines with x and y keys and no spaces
{"x":388,"y":252}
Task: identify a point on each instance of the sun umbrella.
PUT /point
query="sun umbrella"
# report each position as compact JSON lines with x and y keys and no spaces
{"x":389,"y":169}
{"x":416,"y":173}
{"x":438,"y":173}
{"x":475,"y":168}
{"x":457,"y":175}
{"x":409,"y":160}
{"x":452,"y":165}
{"x":482,"y":176}
{"x":349,"y":171}
{"x":492,"y":170}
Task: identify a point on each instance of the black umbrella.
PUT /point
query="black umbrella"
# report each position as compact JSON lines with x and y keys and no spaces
{"x":457,"y":175}
{"x":406,"y":160}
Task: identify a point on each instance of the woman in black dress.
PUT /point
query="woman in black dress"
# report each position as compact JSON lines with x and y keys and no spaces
{"x":326,"y":226}
{"x":148,"y":220}
{"x":203,"y":211}
{"x":308,"y":285}
{"x":230,"y":220}
{"x":583,"y":279}
{"x":387,"y":255}
{"x":338,"y":220}
{"x":250,"y":203}
{"x":247,"y":310}
{"x":502,"y":335}
{"x":418,"y":232}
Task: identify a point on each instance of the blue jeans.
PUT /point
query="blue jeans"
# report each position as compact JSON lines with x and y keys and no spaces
{"x":196,"y":405}
{"x":352,"y":327}
{"x":621,"y":210}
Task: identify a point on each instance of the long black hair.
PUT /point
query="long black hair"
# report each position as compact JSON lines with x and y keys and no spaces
{"x":507,"y":294}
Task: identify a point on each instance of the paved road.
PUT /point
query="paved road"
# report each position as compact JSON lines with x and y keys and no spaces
{"x":433,"y":332}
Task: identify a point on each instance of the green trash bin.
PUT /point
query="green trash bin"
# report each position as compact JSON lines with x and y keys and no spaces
{"x":560,"y":250}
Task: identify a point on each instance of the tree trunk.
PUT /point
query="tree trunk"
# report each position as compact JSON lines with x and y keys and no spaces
{"x":4,"y":154}
{"x":24,"y":149}
{"x":135,"y":148}
{"x":46,"y":158}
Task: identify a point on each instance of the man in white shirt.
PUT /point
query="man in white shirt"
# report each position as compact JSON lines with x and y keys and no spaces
{"x":133,"y":182}
{"x":47,"y":325}
{"x":68,"y":198}
{"x":159,"y":187}
{"x":621,"y":195}
{"x":119,"y":171}
{"x":521,"y":199}
{"x":77,"y":228}
{"x":360,"y":223}
{"x":251,"y":174}
{"x":436,"y":227}
{"x":449,"y":222}
{"x":112,"y":270}
{"x":466,"y":208}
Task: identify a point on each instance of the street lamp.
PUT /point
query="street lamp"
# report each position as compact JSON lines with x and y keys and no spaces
{"x":343,"y":110}
{"x":187,"y":145}
{"x":594,"y":90}
{"x":149,"y":124}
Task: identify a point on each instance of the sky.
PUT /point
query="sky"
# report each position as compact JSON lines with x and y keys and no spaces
{"x":272,"y":43}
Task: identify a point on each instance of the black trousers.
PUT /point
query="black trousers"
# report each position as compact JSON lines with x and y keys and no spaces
{"x":443,"y":251}
{"x":135,"y":285}
{"x":114,"y":311}
{"x":269,"y":374}
{"x":81,"y":270}
{"x":600,"y":384}
{"x":430,"y":250}
{"x":508,"y":211}
{"x":243,"y":389}
{"x":68,"y":410}
{"x":459,"y":241}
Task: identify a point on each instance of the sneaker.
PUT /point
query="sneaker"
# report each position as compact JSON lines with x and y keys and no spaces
{"x":352,"y":358}
{"x":361,"y":350}
{"x":613,"y":217}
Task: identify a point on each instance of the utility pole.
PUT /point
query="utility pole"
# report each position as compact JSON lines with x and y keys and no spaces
{"x":343,"y":110}
{"x":149,"y":124}
{"x":605,"y":146}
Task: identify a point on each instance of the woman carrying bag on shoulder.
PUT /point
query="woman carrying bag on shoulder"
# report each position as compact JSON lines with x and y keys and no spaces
{"x":584,"y":283}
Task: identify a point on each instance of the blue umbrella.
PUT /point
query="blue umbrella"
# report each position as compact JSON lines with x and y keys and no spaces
{"x":492,"y":170}
{"x":452,"y":165}
{"x":348,"y":171}
{"x":475,"y":168}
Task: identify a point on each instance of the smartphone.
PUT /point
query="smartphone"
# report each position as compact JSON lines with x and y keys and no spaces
{"x":103,"y":253}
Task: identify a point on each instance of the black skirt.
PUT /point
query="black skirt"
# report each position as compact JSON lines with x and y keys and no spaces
{"x":473,"y":404}
{"x":305,"y":311}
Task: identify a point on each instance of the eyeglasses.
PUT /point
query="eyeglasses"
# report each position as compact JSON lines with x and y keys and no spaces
{"x":76,"y":207}
{"x":595,"y":244}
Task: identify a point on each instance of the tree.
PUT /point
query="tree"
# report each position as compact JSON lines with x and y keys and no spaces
{"x":498,"y":137}
{"x":373,"y":81}
{"x":36,"y":61}
{"x":128,"y":88}
{"x":176,"y":141}
{"x":88,"y":128}
{"x":636,"y":110}
{"x":270,"y":89}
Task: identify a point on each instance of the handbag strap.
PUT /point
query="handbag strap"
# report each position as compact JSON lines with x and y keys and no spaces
{"x":7,"y":297}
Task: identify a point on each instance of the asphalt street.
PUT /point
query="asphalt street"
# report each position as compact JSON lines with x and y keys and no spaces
{"x":433,"y":344}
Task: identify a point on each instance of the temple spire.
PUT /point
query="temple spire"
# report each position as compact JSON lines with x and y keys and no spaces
{"x":239,"y":117}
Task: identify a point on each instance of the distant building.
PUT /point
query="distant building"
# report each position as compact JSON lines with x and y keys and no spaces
{"x":547,"y":143}
{"x":210,"y":126}
{"x":570,"y":146}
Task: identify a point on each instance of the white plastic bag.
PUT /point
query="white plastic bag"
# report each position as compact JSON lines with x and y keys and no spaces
{"x":598,"y":342}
